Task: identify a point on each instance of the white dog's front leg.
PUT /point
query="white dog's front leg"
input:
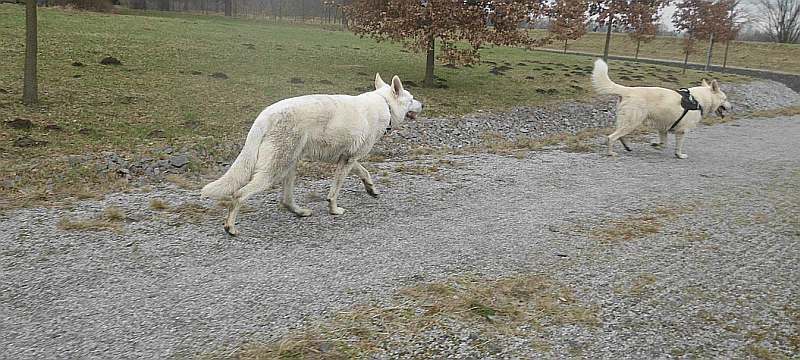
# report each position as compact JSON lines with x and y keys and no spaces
{"x":342,"y":169}
{"x":679,"y":137}
{"x":363,"y":174}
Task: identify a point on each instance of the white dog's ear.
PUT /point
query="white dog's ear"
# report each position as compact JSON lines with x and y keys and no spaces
{"x":714,"y":86}
{"x":397,"y":86}
{"x":704,"y":82}
{"x":378,"y":81}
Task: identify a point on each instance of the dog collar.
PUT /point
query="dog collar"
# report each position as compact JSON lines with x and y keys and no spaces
{"x":390,"y":113}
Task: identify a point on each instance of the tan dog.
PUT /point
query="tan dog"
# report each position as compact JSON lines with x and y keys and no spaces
{"x":659,"y":107}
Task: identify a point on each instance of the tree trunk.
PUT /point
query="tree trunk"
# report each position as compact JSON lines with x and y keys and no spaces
{"x":228,"y":7}
{"x":710,"y":51}
{"x":685,"y":59}
{"x":638,"y":42}
{"x":608,"y":37}
{"x":29,"y":87}
{"x":428,"y":82}
{"x":565,"y":45}
{"x":725,"y":58}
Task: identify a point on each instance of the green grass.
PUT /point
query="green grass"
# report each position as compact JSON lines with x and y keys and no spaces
{"x":758,"y":55}
{"x":154,"y":100}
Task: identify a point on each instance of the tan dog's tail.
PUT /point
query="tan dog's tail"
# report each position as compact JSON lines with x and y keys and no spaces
{"x":602,"y":83}
{"x":240,"y":172}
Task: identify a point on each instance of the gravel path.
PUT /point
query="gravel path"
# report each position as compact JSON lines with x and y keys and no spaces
{"x":168,"y":286}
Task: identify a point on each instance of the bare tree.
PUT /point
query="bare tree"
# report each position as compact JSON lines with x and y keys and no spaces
{"x":568,"y":20}
{"x":30,"y":93}
{"x":622,"y":13}
{"x":641,"y":19}
{"x":781,"y":19}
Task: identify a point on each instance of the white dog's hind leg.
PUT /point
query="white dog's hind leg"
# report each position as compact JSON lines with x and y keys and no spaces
{"x":287,"y":201}
{"x":342,"y":169}
{"x":363,"y":174}
{"x":662,"y":138}
{"x":679,"y":137}
{"x":260,"y":181}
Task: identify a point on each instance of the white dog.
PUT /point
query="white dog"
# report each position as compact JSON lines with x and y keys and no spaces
{"x":339,"y":129}
{"x":664,"y":109}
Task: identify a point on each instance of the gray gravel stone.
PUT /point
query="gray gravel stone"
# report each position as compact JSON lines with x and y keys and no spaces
{"x":170,"y":286}
{"x":166,"y":287}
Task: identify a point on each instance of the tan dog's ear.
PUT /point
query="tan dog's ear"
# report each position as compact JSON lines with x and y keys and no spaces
{"x":703,"y":82}
{"x":378,"y":81}
{"x":714,"y":86}
{"x":397,"y":86}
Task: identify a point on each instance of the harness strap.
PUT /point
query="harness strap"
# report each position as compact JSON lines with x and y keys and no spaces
{"x":688,"y":102}
{"x":679,"y":120}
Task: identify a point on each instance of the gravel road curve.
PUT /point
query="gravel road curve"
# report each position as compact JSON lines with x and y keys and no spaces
{"x":170,"y":287}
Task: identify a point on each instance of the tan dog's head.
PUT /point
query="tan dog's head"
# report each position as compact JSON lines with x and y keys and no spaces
{"x":401,"y":103}
{"x":718,"y":100}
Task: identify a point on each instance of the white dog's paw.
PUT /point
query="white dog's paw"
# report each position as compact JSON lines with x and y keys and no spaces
{"x":336,"y":210}
{"x":658,"y":146}
{"x":681,"y":156}
{"x":612,"y":153}
{"x":371,"y":191}
{"x":302,"y":212}
{"x":231,"y":230}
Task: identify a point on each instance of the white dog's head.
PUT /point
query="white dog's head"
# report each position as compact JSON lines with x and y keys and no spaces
{"x":401,"y":103}
{"x":719,"y":101}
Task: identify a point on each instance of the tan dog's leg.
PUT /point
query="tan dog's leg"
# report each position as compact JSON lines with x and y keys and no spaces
{"x":662,"y":137}
{"x":342,"y":169}
{"x":363,"y":174}
{"x":628,"y":118}
{"x":679,"y":137}
{"x":287,"y":201}
{"x":624,"y":142}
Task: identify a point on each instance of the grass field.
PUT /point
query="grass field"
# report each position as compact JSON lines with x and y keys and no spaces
{"x":759,"y":55}
{"x":163,"y":95}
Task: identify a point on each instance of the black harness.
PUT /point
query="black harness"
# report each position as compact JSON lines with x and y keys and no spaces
{"x":688,"y":103}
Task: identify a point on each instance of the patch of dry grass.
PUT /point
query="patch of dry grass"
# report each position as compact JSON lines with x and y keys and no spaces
{"x":412,"y":169}
{"x":194,"y":212}
{"x":110,"y":219}
{"x":488,"y":306}
{"x":787,"y":111}
{"x":641,"y":284}
{"x":636,"y":227}
{"x":183,"y":182}
{"x":158,"y":204}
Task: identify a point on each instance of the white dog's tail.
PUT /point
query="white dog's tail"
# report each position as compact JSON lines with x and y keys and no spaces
{"x":240,"y":172}
{"x":602,"y":83}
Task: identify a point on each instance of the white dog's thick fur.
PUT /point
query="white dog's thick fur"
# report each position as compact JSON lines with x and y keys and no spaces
{"x":339,"y":129}
{"x":659,"y":107}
